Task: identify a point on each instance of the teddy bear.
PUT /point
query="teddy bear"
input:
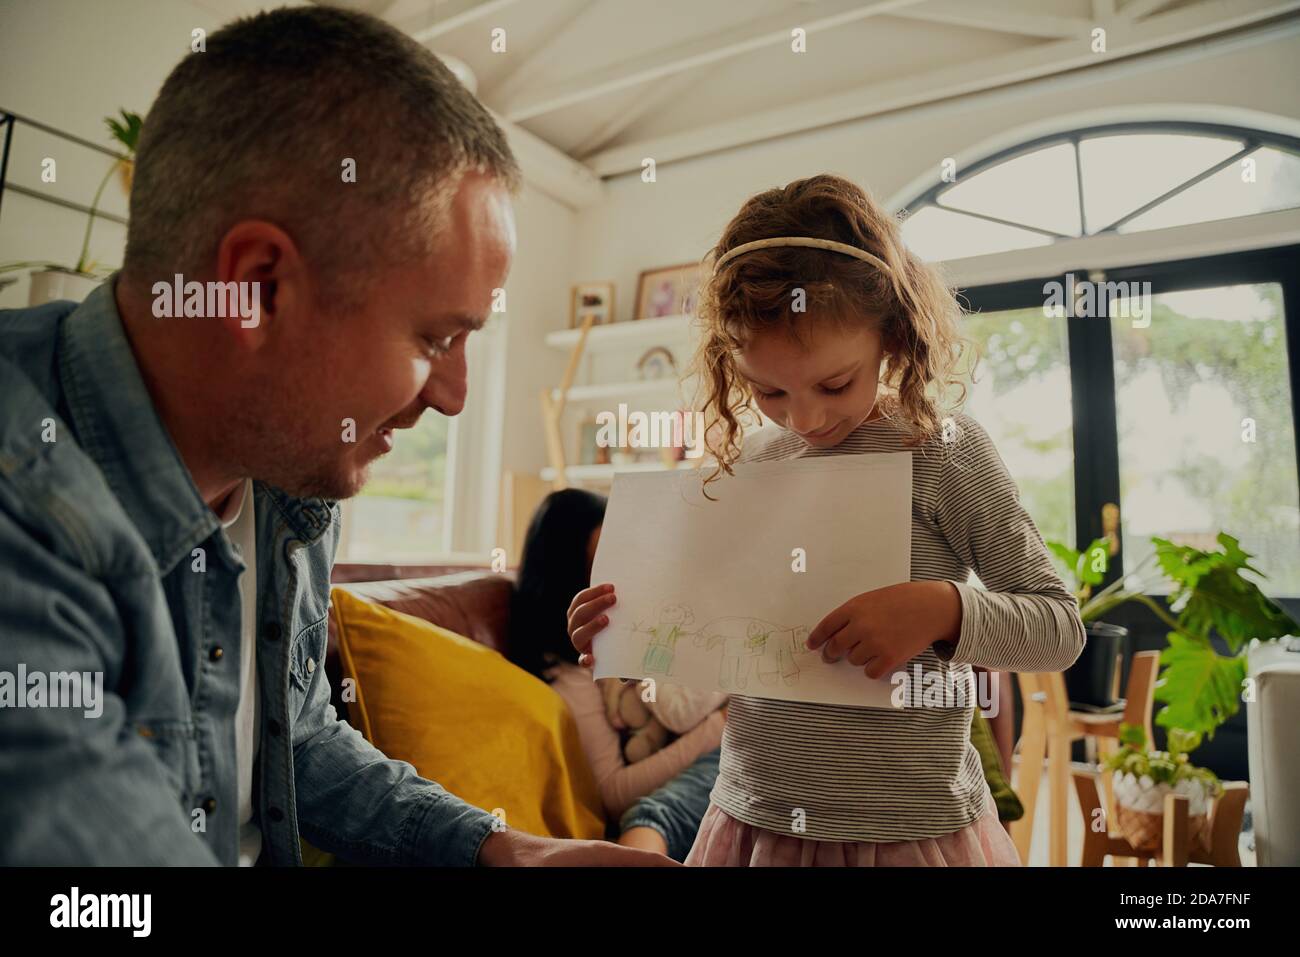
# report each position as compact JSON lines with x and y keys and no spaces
{"x":626,"y":712}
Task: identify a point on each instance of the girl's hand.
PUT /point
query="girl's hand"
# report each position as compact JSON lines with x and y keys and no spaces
{"x":881,"y":630}
{"x":587,"y":618}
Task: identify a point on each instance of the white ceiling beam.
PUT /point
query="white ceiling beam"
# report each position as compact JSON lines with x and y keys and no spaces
{"x":1124,"y":39}
{"x":526,"y":72}
{"x":1137,"y":9}
{"x":659,"y":95}
{"x":457,"y":13}
{"x":696,"y":52}
{"x":1000,"y":19}
{"x":554,"y":173}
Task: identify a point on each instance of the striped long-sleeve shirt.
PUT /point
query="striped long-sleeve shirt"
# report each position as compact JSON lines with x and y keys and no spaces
{"x":876,"y":774}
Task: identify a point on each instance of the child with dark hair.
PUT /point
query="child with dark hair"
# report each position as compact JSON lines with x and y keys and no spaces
{"x":658,"y":798}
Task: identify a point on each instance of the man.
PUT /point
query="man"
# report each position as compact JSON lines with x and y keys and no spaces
{"x":168,"y":468}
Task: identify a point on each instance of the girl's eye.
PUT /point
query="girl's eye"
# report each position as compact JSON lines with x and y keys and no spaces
{"x":826,"y":389}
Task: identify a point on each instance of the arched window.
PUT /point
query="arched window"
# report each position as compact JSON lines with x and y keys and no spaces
{"x":1177,"y":418}
{"x":1116,"y":178}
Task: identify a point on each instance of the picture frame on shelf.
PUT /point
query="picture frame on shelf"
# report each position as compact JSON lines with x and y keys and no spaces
{"x":594,"y":299}
{"x":667,"y":291}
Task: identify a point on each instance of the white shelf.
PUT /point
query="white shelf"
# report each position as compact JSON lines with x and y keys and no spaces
{"x":626,"y":335}
{"x":622,"y":390}
{"x":607,"y":471}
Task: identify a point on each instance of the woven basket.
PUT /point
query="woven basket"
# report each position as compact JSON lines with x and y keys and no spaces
{"x":1145,"y":830}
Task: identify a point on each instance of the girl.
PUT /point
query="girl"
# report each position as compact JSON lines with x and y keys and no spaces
{"x":817,"y":312}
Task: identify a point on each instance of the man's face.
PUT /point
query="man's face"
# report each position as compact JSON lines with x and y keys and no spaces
{"x":365,"y":375}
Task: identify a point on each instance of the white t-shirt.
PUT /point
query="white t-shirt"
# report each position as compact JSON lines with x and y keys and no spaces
{"x":240,"y":522}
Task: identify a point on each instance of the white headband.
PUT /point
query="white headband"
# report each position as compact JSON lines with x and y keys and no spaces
{"x":808,"y":241}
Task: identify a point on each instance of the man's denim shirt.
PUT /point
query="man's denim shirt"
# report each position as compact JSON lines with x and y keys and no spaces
{"x":110,"y":562}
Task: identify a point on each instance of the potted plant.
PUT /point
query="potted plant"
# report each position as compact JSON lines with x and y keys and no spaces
{"x":1090,"y":681}
{"x":1200,"y":687}
{"x":50,"y":280}
{"x":1143,"y":778}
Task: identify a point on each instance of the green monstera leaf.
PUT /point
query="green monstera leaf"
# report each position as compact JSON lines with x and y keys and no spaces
{"x":1200,"y":688}
{"x":1210,"y":598}
{"x":1214,"y":597}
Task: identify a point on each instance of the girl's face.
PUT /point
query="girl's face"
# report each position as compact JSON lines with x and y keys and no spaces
{"x":823,"y":393}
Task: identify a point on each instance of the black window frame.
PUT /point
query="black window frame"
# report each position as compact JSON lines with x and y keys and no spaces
{"x":1090,"y":358}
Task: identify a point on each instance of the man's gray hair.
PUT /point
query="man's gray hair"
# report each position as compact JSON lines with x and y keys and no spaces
{"x":259,"y":126}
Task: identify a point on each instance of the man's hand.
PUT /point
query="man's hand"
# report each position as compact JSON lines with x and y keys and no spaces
{"x":517,"y":849}
{"x":881,"y":630}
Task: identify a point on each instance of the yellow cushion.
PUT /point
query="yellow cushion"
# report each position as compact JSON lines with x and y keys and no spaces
{"x":464,"y":716}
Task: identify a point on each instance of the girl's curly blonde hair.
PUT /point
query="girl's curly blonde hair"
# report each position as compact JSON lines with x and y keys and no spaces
{"x":910,"y":306}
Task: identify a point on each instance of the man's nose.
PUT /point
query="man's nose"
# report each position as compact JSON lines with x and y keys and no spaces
{"x":448,"y":385}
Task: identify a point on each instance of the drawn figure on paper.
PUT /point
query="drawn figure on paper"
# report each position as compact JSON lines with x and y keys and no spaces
{"x":770,"y":651}
{"x":673,"y":620}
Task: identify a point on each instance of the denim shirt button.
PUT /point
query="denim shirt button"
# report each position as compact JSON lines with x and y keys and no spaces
{"x":210,"y":805}
{"x":271,"y":631}
{"x":311,"y":665}
{"x":216,"y":653}
{"x":275,"y":814}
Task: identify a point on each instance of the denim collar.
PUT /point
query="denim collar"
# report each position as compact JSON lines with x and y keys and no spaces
{"x":117,"y":426}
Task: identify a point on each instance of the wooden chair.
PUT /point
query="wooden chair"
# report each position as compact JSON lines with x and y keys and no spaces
{"x":1100,"y":732}
{"x":1050,"y":726}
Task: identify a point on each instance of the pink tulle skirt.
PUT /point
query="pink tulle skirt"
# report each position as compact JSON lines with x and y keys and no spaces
{"x":723,"y":841}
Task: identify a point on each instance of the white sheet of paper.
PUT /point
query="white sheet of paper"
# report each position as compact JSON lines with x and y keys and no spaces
{"x":707,"y":592}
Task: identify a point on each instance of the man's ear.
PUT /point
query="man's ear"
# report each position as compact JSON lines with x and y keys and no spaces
{"x":269,"y":277}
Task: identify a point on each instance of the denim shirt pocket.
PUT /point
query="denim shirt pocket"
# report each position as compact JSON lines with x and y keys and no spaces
{"x":175,"y":743}
{"x":307,"y":659}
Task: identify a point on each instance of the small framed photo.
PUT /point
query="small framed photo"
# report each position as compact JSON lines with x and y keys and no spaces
{"x":668,"y":291}
{"x":591,"y":299}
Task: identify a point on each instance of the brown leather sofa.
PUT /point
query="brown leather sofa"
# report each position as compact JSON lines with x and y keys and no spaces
{"x":474,"y":603}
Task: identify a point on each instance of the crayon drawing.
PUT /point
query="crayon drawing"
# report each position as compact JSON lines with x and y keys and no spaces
{"x":769,"y":651}
{"x":710,"y":595}
{"x":663,"y":637}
